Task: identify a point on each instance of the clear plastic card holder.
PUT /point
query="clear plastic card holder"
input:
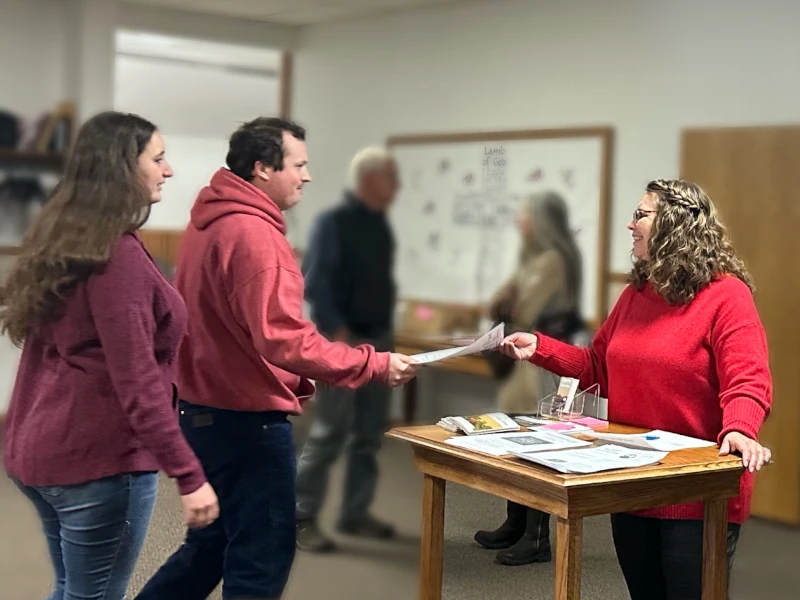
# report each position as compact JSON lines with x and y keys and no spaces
{"x":555,"y":407}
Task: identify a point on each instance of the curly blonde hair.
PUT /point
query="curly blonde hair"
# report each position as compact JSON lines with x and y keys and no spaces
{"x":688,"y":247}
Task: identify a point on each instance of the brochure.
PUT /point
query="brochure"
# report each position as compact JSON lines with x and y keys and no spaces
{"x":500,"y":444}
{"x":593,"y":460}
{"x":480,"y":424}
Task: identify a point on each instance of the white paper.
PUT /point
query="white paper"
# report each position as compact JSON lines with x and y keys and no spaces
{"x":487,"y":341}
{"x":499,"y":444}
{"x":593,"y":460}
{"x":573,"y":388}
{"x":436,"y":355}
{"x":663,"y":441}
{"x":667,"y":442}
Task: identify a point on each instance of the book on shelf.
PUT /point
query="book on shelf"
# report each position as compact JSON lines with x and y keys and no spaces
{"x":52,"y":133}
{"x":480,"y":424}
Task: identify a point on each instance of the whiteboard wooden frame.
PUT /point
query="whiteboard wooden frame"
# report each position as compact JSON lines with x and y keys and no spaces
{"x":606,"y":137}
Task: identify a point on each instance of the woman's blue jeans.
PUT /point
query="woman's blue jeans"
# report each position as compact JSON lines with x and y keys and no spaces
{"x":95,"y":532}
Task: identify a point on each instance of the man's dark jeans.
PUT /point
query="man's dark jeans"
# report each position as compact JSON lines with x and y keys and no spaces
{"x":249,"y":459}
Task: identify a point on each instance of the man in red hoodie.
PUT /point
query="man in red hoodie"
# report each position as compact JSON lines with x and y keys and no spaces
{"x":245,"y":365}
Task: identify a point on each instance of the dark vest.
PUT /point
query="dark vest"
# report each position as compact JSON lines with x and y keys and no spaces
{"x":363,"y":283}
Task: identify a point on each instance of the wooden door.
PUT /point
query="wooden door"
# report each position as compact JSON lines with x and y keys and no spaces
{"x":751,"y":175}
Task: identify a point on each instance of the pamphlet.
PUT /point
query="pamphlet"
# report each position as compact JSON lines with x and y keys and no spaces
{"x":567,"y":388}
{"x":593,"y":460}
{"x":500,"y":444}
{"x":480,"y":424}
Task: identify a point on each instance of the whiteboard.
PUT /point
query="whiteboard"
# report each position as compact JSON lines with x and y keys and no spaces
{"x":454,"y":217}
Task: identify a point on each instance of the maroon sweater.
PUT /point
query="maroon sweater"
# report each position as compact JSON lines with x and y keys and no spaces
{"x":94,"y":395}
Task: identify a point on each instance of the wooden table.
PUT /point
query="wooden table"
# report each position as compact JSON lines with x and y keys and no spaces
{"x":408,"y":343}
{"x":684,"y":476}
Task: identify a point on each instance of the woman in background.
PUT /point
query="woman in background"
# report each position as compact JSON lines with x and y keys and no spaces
{"x":683,"y":350}
{"x":544,"y":293}
{"x":92,"y":416}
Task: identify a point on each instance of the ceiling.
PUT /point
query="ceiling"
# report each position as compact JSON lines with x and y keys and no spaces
{"x":151,"y":45}
{"x":295,"y":12}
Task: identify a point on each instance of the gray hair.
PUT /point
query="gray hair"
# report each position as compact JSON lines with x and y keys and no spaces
{"x":367,"y":160}
{"x":551,"y":230}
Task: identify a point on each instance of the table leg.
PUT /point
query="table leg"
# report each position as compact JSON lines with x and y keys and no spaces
{"x":430,"y":585}
{"x":410,"y":401}
{"x":715,"y":550}
{"x":569,"y":549}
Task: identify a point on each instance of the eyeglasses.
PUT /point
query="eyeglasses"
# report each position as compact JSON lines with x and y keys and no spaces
{"x":639,"y":214}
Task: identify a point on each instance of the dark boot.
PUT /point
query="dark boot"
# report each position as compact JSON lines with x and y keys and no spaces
{"x":509,"y":532}
{"x":309,"y":537}
{"x":533,"y":546}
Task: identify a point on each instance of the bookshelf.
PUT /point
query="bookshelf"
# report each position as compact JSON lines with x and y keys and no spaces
{"x":50,"y":161}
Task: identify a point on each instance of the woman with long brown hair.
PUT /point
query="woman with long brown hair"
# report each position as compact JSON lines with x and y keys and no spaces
{"x":543,"y":293}
{"x":91,"y":419}
{"x":684,"y":351}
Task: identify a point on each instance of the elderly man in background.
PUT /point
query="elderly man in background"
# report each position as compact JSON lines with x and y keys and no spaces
{"x":351,"y":292}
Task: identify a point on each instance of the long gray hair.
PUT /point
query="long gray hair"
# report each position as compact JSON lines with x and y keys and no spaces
{"x":550,"y":230}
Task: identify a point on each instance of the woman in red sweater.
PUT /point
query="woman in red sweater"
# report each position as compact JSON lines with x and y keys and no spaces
{"x":92,"y":416}
{"x":683,"y":350}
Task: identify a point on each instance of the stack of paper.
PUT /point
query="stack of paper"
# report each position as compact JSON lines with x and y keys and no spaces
{"x":500,"y":444}
{"x":480,"y":424}
{"x":568,"y":427}
{"x":593,"y":460}
{"x":592,"y":423}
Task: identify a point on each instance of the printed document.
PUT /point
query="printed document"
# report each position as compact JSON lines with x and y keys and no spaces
{"x":499,"y":444}
{"x":487,"y":341}
{"x":663,"y":441}
{"x":593,"y":460}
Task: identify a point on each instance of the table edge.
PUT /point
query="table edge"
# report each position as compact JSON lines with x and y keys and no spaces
{"x":566,"y":480}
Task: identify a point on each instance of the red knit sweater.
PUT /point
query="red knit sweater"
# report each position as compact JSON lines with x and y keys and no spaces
{"x":700,"y":370}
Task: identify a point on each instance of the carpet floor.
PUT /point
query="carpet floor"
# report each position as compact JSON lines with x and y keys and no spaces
{"x":766,"y":562}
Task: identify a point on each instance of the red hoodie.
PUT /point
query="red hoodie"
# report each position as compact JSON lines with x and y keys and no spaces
{"x":248,"y":347}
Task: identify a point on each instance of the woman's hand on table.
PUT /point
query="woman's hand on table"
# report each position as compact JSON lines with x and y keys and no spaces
{"x":521,"y":346}
{"x":754,"y":455}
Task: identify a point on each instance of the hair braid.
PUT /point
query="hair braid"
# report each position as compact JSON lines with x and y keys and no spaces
{"x":688,"y":247}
